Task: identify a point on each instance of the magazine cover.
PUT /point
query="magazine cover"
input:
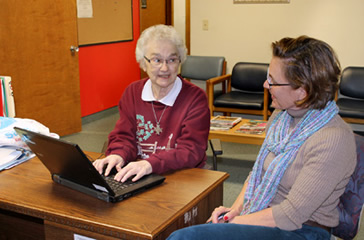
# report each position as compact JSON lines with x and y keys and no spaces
{"x":223,"y":123}
{"x":226,"y":120}
{"x":219,"y":127}
{"x":253,"y":127}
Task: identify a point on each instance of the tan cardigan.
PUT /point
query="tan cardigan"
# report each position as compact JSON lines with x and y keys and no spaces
{"x":311,"y":186}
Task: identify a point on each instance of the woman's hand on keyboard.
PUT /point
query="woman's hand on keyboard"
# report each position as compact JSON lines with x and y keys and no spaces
{"x":137,"y":168}
{"x":110,"y":161}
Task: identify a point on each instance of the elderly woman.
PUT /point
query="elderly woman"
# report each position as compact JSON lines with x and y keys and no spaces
{"x":164,"y":120}
{"x":305,"y":161}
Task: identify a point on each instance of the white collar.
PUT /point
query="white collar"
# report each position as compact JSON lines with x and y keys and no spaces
{"x":147,"y":93}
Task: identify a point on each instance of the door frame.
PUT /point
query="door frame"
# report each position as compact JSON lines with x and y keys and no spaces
{"x":188,"y":25}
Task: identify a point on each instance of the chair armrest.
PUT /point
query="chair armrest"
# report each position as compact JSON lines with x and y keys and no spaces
{"x":216,"y":80}
{"x":225,"y":80}
{"x":265,"y":104}
{"x":220,"y":79}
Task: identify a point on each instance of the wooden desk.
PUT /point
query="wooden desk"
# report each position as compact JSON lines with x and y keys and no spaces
{"x":32,"y":206}
{"x":232,"y":136}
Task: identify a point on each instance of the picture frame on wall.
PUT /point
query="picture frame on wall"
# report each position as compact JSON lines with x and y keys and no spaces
{"x":261,"y":1}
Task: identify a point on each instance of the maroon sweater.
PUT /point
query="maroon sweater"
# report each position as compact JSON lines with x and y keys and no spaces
{"x":183,"y":141}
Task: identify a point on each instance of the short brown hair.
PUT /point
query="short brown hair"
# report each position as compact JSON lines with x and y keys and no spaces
{"x":311,"y":64}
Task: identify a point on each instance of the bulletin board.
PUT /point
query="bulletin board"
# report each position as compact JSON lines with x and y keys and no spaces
{"x":111,"y":21}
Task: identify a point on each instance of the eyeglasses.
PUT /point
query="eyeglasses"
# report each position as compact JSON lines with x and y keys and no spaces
{"x":158,"y":62}
{"x":269,"y":79}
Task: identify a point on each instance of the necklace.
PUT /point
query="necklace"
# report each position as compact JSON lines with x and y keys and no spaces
{"x":158,"y":128}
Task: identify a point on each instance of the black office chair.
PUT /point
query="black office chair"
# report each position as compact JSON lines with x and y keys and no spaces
{"x":351,"y":95}
{"x":203,"y":68}
{"x":245,"y":92}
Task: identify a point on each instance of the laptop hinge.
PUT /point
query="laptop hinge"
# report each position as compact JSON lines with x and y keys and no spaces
{"x":100,"y":195}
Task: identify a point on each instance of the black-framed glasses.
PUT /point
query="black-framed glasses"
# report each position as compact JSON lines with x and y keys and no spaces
{"x":269,"y":80}
{"x":158,"y":62}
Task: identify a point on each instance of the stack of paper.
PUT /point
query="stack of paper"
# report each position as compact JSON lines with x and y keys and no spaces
{"x":11,"y":156}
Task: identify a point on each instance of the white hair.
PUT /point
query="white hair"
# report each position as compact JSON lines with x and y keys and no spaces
{"x":159,"y":32}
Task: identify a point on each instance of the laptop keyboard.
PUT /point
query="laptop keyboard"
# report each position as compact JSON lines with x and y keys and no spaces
{"x":115,"y":185}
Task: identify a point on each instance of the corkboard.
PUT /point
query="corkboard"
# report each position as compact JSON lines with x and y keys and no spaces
{"x":111,"y":22}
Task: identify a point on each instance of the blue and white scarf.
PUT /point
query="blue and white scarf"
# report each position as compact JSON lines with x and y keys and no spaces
{"x":285,"y":145}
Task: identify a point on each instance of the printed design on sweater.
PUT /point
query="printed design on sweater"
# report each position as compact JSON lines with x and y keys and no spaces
{"x":144,"y":129}
{"x":144,"y":132}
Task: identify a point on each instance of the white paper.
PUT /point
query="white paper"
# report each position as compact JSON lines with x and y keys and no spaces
{"x":8,"y":155}
{"x":84,"y":9}
{"x":11,"y":156}
{"x":80,"y":237}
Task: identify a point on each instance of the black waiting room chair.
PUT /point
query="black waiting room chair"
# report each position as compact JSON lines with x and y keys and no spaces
{"x":202,"y":68}
{"x":350,"y":99}
{"x":245,"y":92}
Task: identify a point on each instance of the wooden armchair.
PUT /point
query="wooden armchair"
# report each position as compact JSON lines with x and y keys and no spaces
{"x":245,"y":92}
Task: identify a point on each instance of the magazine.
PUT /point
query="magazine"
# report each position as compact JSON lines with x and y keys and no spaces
{"x":219,"y":127}
{"x":253,"y":127}
{"x":226,"y":120}
{"x":223,"y":123}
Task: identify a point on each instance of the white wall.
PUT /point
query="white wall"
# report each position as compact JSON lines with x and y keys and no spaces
{"x":244,"y":32}
{"x":179,"y":17}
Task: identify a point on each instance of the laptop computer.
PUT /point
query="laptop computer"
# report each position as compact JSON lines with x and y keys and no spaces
{"x":69,"y":166}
